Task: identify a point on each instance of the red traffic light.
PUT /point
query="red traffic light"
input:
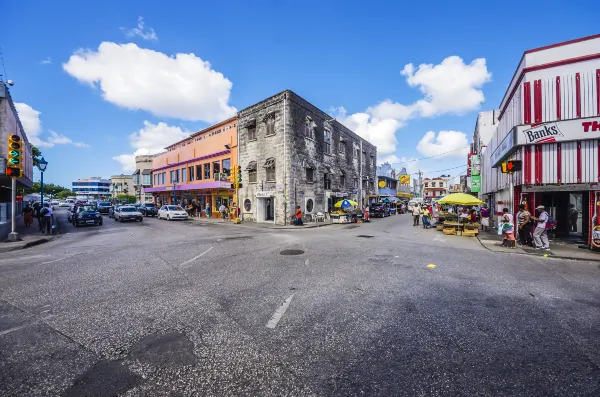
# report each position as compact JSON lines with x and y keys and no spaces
{"x":13,"y":172}
{"x":513,"y":166}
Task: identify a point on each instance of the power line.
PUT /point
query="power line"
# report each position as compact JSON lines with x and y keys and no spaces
{"x":425,"y":158}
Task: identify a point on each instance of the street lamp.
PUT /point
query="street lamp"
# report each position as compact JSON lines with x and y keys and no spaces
{"x":42,"y":164}
{"x":175,"y":192}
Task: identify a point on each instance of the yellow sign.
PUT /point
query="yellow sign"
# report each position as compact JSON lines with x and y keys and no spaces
{"x":381,"y":183}
{"x":405,"y":179}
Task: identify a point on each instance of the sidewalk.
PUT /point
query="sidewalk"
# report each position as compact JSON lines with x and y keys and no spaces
{"x":31,"y":235}
{"x":558,"y":249}
{"x":262,"y":225}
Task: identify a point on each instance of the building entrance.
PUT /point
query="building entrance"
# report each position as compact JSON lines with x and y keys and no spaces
{"x":571,"y":211}
{"x":265,"y":209}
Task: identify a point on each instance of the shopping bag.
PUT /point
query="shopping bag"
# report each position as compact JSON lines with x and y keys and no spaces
{"x":499,"y":229}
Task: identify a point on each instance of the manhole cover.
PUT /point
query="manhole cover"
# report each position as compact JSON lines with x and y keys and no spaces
{"x":364,"y":236}
{"x":291,"y":252}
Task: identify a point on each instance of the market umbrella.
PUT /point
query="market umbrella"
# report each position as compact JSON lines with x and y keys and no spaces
{"x":345,"y":203}
{"x":460,"y":199}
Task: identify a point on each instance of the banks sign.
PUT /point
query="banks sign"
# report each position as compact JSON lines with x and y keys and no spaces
{"x":559,"y":131}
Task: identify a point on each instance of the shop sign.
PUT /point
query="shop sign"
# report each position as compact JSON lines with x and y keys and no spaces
{"x":265,"y":194}
{"x":405,"y":179}
{"x":596,"y":236}
{"x":340,"y":194}
{"x":503,"y":148}
{"x":574,"y":187}
{"x":381,"y":183}
{"x":559,"y":131}
{"x":475,"y":165}
{"x":223,"y":184}
{"x":476,"y":183}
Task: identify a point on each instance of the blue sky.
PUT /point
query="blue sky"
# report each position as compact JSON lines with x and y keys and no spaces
{"x":98,"y":105}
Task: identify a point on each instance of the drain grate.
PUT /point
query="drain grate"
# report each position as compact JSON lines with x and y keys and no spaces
{"x":364,"y":236}
{"x":291,"y":252}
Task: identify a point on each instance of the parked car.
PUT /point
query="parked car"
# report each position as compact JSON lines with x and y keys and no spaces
{"x":54,"y":202}
{"x":149,"y":209}
{"x":87,"y":215}
{"x":169,"y":212}
{"x":379,"y":210}
{"x":128,"y":213}
{"x":64,"y":204}
{"x":72,"y":212}
{"x":104,"y":207}
{"x":111,"y":211}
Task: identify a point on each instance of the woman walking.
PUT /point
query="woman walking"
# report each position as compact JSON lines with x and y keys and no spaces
{"x":28,"y":215}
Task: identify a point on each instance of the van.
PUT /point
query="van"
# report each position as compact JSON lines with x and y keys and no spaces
{"x":413,"y":203}
{"x":70,"y":201}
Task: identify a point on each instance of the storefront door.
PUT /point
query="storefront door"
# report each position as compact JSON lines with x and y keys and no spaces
{"x":270,"y":209}
{"x":570,"y":209}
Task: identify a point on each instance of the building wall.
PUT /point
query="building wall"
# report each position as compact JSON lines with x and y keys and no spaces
{"x":91,"y":187}
{"x":121,"y":182}
{"x":294,"y":152}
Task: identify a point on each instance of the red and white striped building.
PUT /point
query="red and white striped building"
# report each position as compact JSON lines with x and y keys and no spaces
{"x":550,"y":120}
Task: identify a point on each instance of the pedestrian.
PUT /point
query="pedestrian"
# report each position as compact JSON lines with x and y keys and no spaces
{"x":416,"y":212}
{"x":299,"y":216}
{"x":207,"y":210}
{"x":194,"y":209}
{"x":46,"y":214}
{"x":233,"y":212}
{"x":223,"y":211}
{"x":485,"y":217}
{"x":540,"y":234}
{"x":426,"y":215}
{"x":508,"y":229}
{"x":524,"y":226}
{"x":28,"y":215}
{"x":38,"y":216}
{"x":573,"y":217}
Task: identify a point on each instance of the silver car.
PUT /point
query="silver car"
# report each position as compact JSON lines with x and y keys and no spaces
{"x":128,"y":213}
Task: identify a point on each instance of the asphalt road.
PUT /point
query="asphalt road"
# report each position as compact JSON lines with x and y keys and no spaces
{"x":184,"y":308}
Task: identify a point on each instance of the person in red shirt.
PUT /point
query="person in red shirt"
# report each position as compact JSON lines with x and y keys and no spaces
{"x":299,"y":217}
{"x":473,"y":216}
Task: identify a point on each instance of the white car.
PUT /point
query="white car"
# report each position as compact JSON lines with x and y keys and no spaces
{"x":169,"y":212}
{"x":54,"y":202}
{"x":128,"y":213}
{"x":64,"y":204}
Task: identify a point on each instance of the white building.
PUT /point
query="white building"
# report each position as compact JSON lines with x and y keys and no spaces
{"x":91,"y":188}
{"x":549,"y":119}
{"x":436,"y":187}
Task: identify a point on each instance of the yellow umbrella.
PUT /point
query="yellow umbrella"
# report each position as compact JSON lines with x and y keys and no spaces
{"x":460,"y":199}
{"x":345,"y":203}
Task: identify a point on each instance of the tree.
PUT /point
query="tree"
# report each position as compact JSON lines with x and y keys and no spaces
{"x":64,"y":194}
{"x":125,"y":197}
{"x":36,"y":155}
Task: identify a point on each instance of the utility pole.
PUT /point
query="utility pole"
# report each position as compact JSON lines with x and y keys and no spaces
{"x":360,"y":167}
{"x":420,"y":184}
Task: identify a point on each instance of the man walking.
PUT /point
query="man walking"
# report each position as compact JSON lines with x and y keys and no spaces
{"x":299,"y":216}
{"x":540,"y":234}
{"x":416,"y":214}
{"x":46,"y":214}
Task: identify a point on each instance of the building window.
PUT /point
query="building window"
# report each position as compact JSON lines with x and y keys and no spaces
{"x":226,"y":165}
{"x":432,"y":184}
{"x":177,"y":176}
{"x":310,"y":205}
{"x":356,"y":152}
{"x":252,"y":133}
{"x":372,"y":161}
{"x":342,"y":147}
{"x":270,"y":123}
{"x":343,"y":179}
{"x":363,"y":160}
{"x":270,"y":166}
{"x":441,"y":184}
{"x":183,"y":175}
{"x":172,"y":176}
{"x":251,"y":168}
{"x":247,"y":205}
{"x":191,"y":171}
{"x":199,"y":172}
{"x":310,"y":175}
{"x":356,"y":183}
{"x":207,"y":171}
{"x":326,"y":181}
{"x":426,"y":184}
{"x":309,"y":127}
{"x":327,"y":140}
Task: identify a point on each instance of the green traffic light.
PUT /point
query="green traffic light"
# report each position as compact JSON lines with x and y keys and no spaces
{"x":14,"y":161}
{"x":13,"y":153}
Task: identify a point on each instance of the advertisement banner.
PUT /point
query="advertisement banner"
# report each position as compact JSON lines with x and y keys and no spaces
{"x":476,"y":183}
{"x":404,"y":179}
{"x":475,"y":165}
{"x":559,"y":131}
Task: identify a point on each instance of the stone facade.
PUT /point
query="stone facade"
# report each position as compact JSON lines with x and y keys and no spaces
{"x":316,"y":160}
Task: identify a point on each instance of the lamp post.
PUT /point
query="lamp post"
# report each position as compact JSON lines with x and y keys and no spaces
{"x":175,"y":192}
{"x":42,"y":164}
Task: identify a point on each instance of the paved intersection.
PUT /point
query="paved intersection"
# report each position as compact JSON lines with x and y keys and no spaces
{"x":201,"y":309}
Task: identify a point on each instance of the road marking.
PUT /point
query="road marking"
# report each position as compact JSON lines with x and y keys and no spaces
{"x":196,"y":257}
{"x":431,"y":266}
{"x":438,"y":238}
{"x":8,"y":331}
{"x":129,"y":235}
{"x":148,"y":227}
{"x":307,"y":261}
{"x":60,"y":259}
{"x":279,"y":312}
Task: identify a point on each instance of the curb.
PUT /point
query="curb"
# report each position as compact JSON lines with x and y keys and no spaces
{"x":551,"y":256}
{"x":250,"y":224}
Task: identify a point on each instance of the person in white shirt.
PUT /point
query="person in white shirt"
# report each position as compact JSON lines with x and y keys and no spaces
{"x":416,"y":214}
{"x":540,"y":234}
{"x":46,"y":215}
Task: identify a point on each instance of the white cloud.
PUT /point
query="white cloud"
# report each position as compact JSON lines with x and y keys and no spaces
{"x":381,"y":133}
{"x":141,"y":31}
{"x":46,"y":61}
{"x":30,"y":119}
{"x":451,"y":87}
{"x":445,"y":144}
{"x":181,"y":86}
{"x":151,"y":139}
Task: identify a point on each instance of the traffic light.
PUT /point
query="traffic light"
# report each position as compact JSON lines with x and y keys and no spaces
{"x":14,"y":172}
{"x":15,"y":152}
{"x":239,"y":175}
{"x":511,"y":166}
{"x":234,"y":181}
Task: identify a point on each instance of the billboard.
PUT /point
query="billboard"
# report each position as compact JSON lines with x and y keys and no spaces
{"x":476,"y":183}
{"x":559,"y":131}
{"x":404,"y":179}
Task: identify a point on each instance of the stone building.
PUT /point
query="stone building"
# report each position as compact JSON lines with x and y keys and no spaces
{"x":294,"y":154}
{"x":142,"y":178}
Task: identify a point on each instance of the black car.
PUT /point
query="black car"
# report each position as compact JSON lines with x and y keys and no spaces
{"x":87,"y":215}
{"x":379,"y":210}
{"x":104,"y":207}
{"x":149,"y":209}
